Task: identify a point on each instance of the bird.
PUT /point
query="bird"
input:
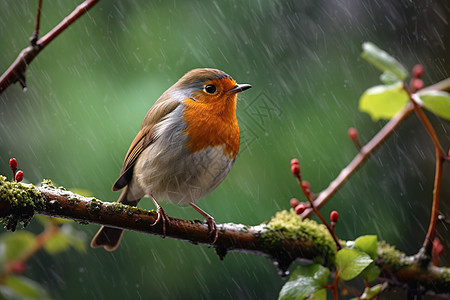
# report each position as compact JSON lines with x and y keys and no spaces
{"x":186,"y":145}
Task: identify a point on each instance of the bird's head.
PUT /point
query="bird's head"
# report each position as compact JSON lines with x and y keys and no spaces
{"x":207,"y":86}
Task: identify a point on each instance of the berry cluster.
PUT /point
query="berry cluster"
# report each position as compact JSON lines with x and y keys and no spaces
{"x":17,"y":175}
{"x":300,"y":207}
{"x":416,"y":82}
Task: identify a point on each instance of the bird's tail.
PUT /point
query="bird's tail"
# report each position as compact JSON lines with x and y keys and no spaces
{"x":108,"y":237}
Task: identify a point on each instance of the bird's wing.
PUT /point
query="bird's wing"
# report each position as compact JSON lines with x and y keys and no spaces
{"x":144,"y":138}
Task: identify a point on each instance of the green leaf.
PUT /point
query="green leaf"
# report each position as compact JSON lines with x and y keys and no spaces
{"x":17,"y":243}
{"x":383,"y":101}
{"x":19,"y":287}
{"x":351,"y":263}
{"x":388,"y":78}
{"x":371,"y":272}
{"x":372,"y":292}
{"x":368,"y":244}
{"x":305,"y":281}
{"x":319,"y":295}
{"x":437,"y":102}
{"x":383,"y":61}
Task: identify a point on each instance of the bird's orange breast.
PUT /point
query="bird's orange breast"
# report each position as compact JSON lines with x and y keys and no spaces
{"x":212,"y":124}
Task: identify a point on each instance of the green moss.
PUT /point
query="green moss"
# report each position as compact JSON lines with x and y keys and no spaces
{"x":46,"y":183}
{"x":131,"y":210}
{"x":24,"y":200}
{"x":73,"y":201}
{"x":445,"y":276}
{"x":427,"y":276}
{"x":114,"y":208}
{"x":117,"y":208}
{"x":391,"y":256}
{"x":94,"y":206}
{"x":288,"y":225}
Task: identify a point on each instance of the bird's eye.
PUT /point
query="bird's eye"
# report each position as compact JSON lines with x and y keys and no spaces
{"x":210,"y":89}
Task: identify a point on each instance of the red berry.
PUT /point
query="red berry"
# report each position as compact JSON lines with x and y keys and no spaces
{"x":13,"y":164}
{"x":417,"y":84}
{"x":294,"y":161}
{"x":295,"y":170}
{"x":294,"y":202}
{"x":352,"y":133}
{"x":417,"y":71}
{"x":334,"y":216}
{"x":18,"y":267}
{"x":300,"y":208}
{"x":438,"y":249}
{"x":19,"y":176}
{"x":306,"y":185}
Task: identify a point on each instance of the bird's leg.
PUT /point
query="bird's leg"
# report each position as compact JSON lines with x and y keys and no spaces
{"x":162,"y":216}
{"x":213,"y":231}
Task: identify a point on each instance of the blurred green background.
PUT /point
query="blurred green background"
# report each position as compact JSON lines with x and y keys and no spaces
{"x":89,"y":90}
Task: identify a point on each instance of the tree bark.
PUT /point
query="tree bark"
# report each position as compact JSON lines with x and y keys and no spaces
{"x":282,"y":243}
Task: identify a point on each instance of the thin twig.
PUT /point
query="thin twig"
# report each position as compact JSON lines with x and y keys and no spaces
{"x":428,"y":126}
{"x":368,"y":149}
{"x":16,"y":72}
{"x":37,"y":245}
{"x":317,"y":212}
{"x":35,"y":35}
{"x":335,"y":286}
{"x":359,"y":159}
{"x":431,"y":233}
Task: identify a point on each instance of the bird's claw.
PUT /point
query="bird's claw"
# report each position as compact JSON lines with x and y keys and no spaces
{"x":213,"y":231}
{"x":162,"y":217}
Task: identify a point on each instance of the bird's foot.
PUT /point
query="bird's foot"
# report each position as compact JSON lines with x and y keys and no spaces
{"x":162,"y":217}
{"x":213,"y":231}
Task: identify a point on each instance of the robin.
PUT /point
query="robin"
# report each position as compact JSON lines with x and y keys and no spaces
{"x":186,"y":146}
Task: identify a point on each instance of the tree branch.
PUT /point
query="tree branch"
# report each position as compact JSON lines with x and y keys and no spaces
{"x":369,"y":148}
{"x":439,"y":153}
{"x":18,"y":201}
{"x":16,"y":72}
{"x":284,"y":239}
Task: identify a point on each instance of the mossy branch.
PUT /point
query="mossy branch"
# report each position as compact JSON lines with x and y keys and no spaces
{"x":284,"y":239}
{"x":19,"y":201}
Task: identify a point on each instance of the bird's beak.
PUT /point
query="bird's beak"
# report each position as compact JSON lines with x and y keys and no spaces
{"x":239,"y":88}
